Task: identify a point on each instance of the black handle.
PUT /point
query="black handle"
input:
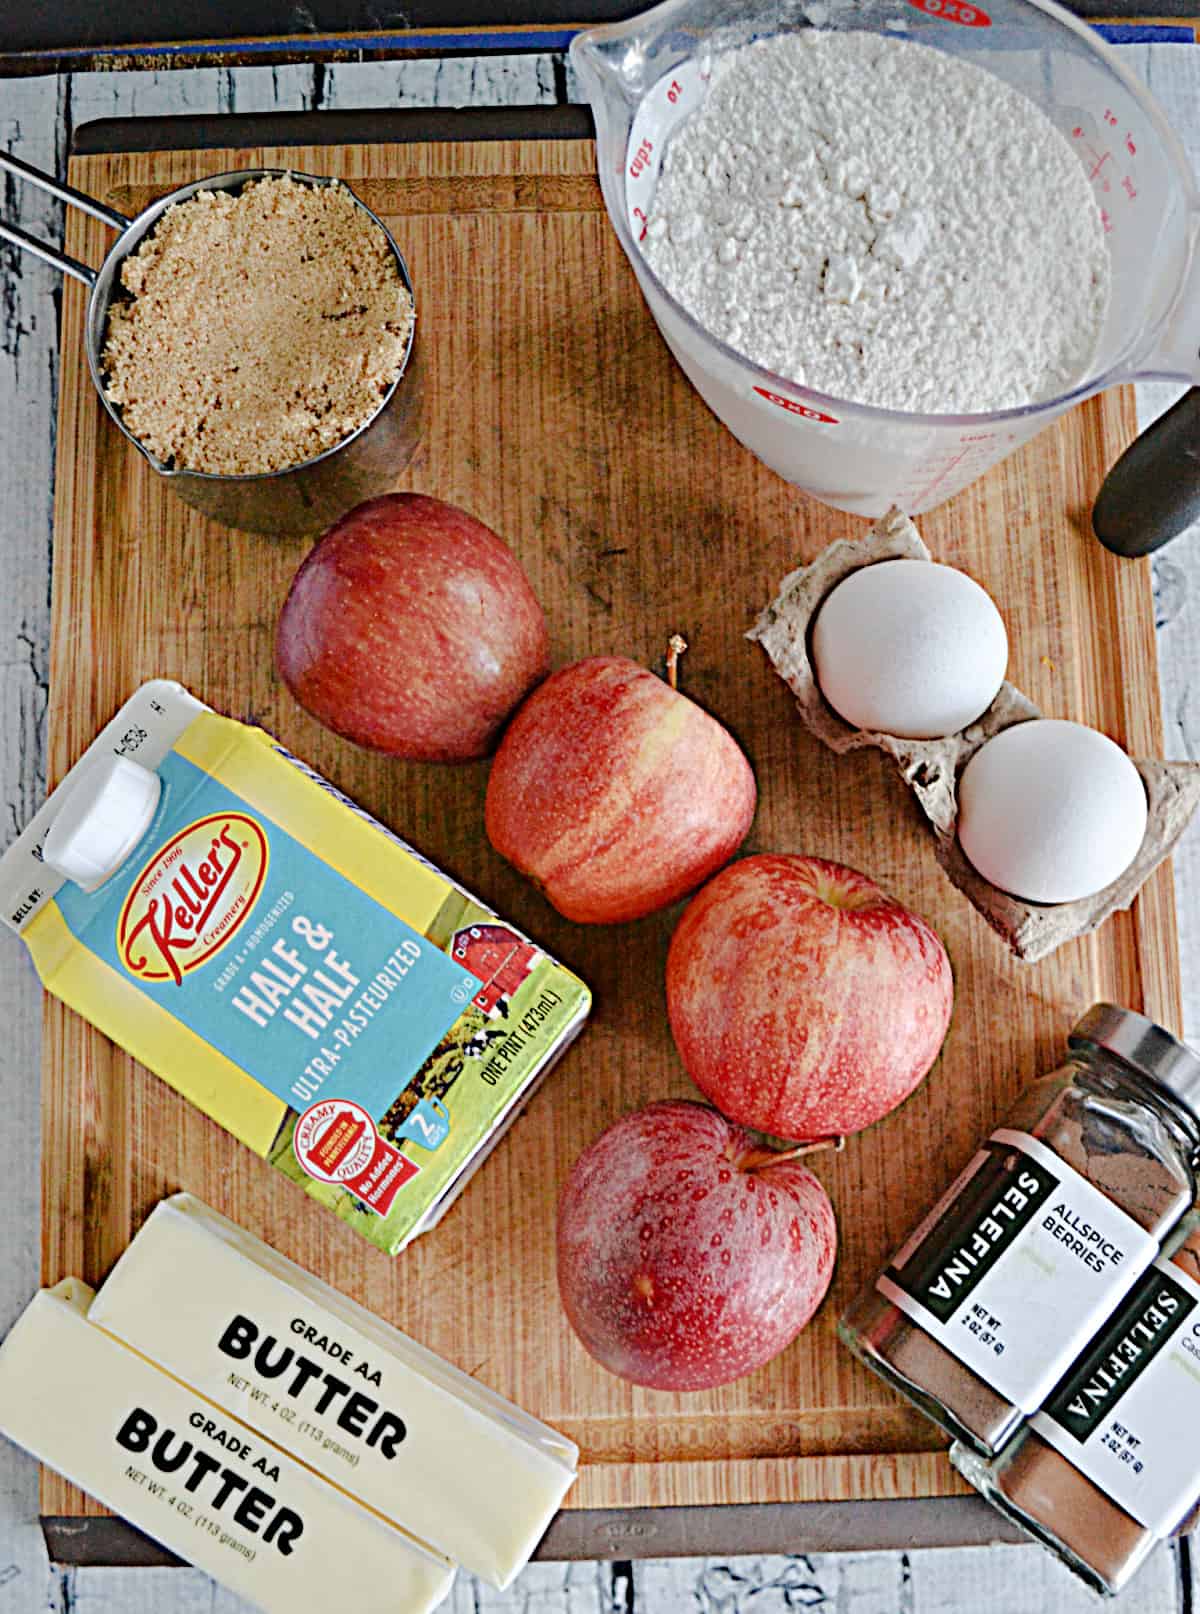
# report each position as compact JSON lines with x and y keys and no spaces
{"x":1153,"y":491}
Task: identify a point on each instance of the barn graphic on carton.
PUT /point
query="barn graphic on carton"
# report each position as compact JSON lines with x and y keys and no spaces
{"x":499,"y":958}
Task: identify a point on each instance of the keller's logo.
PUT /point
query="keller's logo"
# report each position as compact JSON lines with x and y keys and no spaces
{"x":191,"y":897}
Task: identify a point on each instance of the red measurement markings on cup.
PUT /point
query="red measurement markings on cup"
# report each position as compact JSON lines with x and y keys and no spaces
{"x":669,"y":101}
{"x":793,"y":408}
{"x":638,"y":166}
{"x":976,"y":452}
{"x":641,"y":159}
{"x":1101,"y":165}
{"x":954,"y":11}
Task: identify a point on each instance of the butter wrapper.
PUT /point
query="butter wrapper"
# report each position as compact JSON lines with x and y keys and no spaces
{"x":285,"y":962}
{"x":194,"y":1479}
{"x":404,"y":1432}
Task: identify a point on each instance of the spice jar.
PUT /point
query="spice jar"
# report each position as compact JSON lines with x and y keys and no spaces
{"x":1035,"y":1245}
{"x":1108,"y":1467}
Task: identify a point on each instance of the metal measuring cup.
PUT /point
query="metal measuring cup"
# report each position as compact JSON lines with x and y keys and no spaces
{"x":299,"y":500}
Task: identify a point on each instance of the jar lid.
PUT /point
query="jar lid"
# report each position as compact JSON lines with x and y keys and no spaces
{"x":1145,"y":1048}
{"x":106,"y":812}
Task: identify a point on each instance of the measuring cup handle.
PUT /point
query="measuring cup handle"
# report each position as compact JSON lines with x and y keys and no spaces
{"x":72,"y":198}
{"x":48,"y":254}
{"x":1153,"y":491}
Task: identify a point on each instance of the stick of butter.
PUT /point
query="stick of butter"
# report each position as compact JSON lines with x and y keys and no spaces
{"x":194,"y":1479}
{"x":440,"y":1455}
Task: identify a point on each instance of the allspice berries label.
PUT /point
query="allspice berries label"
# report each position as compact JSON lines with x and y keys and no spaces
{"x":1017,"y":1266}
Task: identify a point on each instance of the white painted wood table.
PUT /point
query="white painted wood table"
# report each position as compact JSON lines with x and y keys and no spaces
{"x":37,"y":117}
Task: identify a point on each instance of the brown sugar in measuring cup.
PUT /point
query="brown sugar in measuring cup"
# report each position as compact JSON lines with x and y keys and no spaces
{"x":256,"y":329}
{"x":298,"y":499}
{"x":1037,"y":1242}
{"x":1035,"y":1483}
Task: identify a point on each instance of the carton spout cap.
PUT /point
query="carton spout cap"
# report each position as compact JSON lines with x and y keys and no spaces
{"x":104,"y":816}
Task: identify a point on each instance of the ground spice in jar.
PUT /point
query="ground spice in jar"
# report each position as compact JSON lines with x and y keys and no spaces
{"x":1127,"y":1438}
{"x":1037,"y":1243}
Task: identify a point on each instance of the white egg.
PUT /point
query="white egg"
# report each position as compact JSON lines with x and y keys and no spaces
{"x":909,"y":647}
{"x":1051,"y":811}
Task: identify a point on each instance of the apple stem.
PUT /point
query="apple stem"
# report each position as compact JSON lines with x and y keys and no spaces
{"x":752,"y":1159}
{"x":676,"y":645}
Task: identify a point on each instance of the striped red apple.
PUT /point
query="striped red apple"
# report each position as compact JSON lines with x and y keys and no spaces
{"x":805,"y":1001}
{"x":615,"y":793}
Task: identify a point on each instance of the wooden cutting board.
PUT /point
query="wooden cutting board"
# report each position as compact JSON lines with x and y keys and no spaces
{"x":558,"y":417}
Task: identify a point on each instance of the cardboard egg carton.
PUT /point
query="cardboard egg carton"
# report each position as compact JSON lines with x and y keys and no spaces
{"x":931,"y":768}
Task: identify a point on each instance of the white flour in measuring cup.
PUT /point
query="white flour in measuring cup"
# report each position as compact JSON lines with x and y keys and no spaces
{"x":884,"y":223}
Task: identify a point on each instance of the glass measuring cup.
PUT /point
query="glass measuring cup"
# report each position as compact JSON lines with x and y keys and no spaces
{"x":644,"y":76}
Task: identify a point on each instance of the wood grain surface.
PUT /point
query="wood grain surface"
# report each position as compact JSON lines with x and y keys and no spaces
{"x":558,"y":417}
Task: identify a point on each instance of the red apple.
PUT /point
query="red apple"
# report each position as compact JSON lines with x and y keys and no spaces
{"x":615,"y":793}
{"x":804,"y":1000}
{"x":412,"y":629}
{"x":687,"y":1257}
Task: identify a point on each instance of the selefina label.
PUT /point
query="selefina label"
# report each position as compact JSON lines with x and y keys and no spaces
{"x":1017,"y":1267}
{"x":990,"y":1213}
{"x":1126,"y":1412}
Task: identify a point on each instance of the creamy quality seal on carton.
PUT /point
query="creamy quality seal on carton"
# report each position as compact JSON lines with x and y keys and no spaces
{"x":195,"y":1479}
{"x":403,"y":1431}
{"x":285,"y":962}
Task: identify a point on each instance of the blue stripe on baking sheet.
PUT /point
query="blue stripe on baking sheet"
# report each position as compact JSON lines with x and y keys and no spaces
{"x":515,"y":39}
{"x":443,"y":39}
{"x":1148,"y":33}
